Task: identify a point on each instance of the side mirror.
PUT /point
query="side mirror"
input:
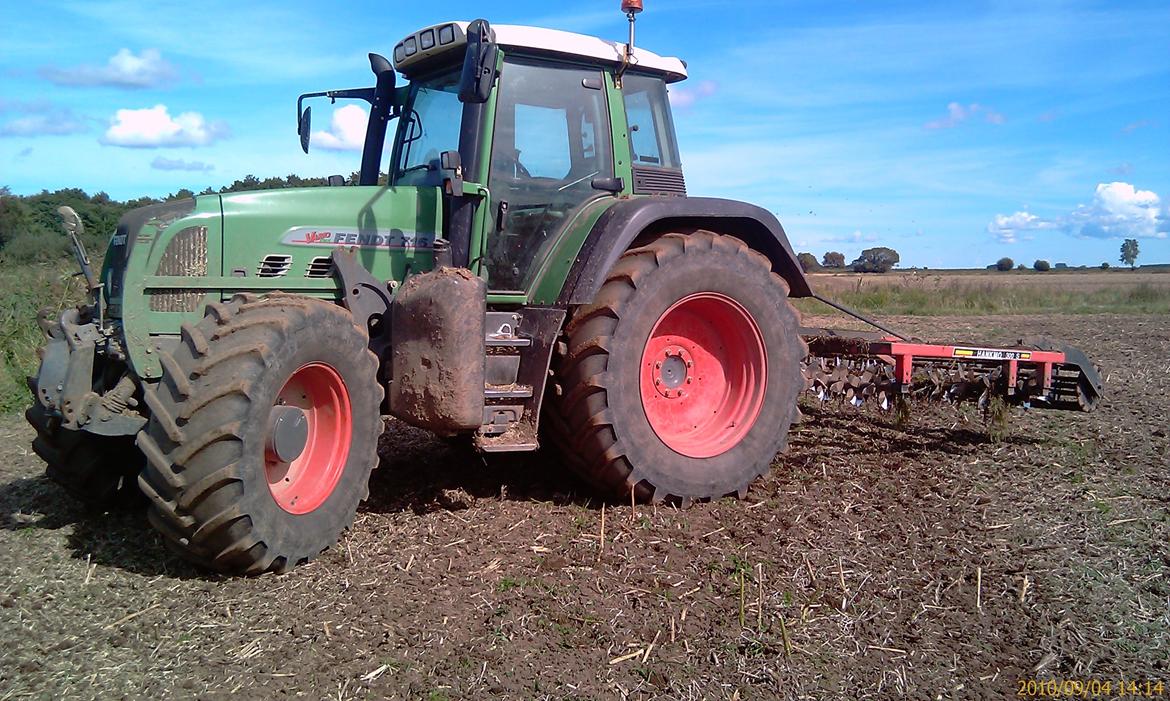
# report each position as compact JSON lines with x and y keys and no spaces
{"x":304,"y":127}
{"x":450,"y":160}
{"x":479,"y":63}
{"x":452,"y":166}
{"x":614,"y":185}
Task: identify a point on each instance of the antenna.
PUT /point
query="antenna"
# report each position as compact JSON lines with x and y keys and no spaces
{"x":631,"y":8}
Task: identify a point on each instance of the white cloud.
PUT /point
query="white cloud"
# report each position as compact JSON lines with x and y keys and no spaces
{"x":347,"y":130}
{"x":1118,"y":210}
{"x":44,"y":125}
{"x":1010,"y":228}
{"x":683,"y":98}
{"x":161,"y":163}
{"x":25,"y":106}
{"x":993,"y":117}
{"x":855,"y":237}
{"x":124,"y":70}
{"x":154,"y":127}
{"x":287,"y":48}
{"x":957,"y":114}
{"x":41,"y":118}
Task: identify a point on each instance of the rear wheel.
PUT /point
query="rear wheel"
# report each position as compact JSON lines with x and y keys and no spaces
{"x":681,"y":379}
{"x":99,"y":471}
{"x":263,"y":433}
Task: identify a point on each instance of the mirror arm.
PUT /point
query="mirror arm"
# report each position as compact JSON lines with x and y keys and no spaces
{"x":367,"y":94}
{"x":301,"y":106}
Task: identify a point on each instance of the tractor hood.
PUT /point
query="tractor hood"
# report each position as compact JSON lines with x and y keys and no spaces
{"x":291,"y":233}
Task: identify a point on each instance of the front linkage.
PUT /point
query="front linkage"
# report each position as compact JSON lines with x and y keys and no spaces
{"x":83,"y":377}
{"x":86,"y":401}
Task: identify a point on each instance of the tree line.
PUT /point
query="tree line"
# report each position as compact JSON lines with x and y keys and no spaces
{"x":1129,"y":255}
{"x":30,"y":228}
{"x":880,"y":259}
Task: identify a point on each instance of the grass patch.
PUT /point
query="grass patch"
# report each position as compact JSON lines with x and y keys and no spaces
{"x":508,"y":584}
{"x":945,"y":295}
{"x":26,"y":288}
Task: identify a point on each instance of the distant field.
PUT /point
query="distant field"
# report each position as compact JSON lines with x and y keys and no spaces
{"x":935,"y":292}
{"x":1092,"y":277}
{"x":28,"y":287}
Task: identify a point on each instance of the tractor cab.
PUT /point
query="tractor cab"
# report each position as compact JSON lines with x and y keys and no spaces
{"x":524,"y":129}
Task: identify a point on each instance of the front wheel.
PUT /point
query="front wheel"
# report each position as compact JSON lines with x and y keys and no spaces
{"x":263,"y":433}
{"x":681,"y":379}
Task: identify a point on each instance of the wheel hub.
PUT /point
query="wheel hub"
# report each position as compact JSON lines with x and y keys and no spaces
{"x":288,"y":433}
{"x":673,"y":372}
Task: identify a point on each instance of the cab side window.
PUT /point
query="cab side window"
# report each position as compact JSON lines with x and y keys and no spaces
{"x":656,"y":166}
{"x":643,"y":131}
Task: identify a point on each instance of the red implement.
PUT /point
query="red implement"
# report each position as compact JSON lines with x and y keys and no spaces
{"x":1038,"y":374}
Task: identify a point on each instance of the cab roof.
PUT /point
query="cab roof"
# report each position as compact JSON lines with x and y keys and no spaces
{"x":418,"y":50}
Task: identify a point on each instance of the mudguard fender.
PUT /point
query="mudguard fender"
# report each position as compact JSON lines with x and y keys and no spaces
{"x":624,"y":222}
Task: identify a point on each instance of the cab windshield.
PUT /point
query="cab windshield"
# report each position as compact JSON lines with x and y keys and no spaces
{"x":428,"y":127}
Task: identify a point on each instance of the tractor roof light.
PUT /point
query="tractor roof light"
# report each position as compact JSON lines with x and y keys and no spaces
{"x":631,"y":7}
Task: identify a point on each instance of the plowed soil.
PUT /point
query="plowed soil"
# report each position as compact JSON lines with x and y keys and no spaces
{"x":874,"y":561}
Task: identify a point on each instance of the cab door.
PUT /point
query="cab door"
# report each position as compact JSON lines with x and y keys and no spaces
{"x":551,"y":141}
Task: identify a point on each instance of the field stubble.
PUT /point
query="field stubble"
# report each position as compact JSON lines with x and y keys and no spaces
{"x":927,"y":293}
{"x":872,"y":562}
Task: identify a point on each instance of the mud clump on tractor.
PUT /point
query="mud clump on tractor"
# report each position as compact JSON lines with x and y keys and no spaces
{"x":437,"y":367}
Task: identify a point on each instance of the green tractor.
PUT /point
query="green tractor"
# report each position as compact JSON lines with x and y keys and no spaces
{"x":532,"y":273}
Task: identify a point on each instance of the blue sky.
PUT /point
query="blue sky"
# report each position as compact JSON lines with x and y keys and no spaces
{"x":956,"y":133}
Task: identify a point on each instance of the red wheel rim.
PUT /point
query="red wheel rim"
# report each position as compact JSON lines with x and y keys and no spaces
{"x":703,"y":375}
{"x":303,"y":484}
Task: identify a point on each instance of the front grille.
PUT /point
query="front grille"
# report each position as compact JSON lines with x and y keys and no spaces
{"x":174,"y":300}
{"x":659,"y":181}
{"x":321,"y":266}
{"x":186,"y":254}
{"x":274,"y":265}
{"x":155,"y":218}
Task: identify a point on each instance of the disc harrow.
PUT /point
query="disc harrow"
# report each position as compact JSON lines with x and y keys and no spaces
{"x":859,"y":368}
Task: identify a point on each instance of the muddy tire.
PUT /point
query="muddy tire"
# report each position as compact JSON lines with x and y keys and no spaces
{"x":680,"y":380}
{"x":263,"y":433}
{"x":99,"y":471}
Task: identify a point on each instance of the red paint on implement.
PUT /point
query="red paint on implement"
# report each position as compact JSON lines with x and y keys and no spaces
{"x":902,"y":354}
{"x":703,"y":375}
{"x":305,"y":483}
